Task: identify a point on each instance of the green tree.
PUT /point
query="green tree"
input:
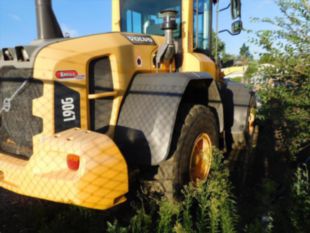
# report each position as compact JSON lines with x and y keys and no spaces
{"x":218,"y":46}
{"x":244,"y":55}
{"x":245,"y":51}
{"x":226,"y":59}
{"x":251,"y":71}
{"x":286,"y":94}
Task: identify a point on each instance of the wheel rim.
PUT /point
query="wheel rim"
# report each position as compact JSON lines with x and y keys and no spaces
{"x":201,"y":157}
{"x":251,"y":120}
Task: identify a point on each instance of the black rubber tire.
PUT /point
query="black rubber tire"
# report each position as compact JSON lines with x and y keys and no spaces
{"x":247,"y":156}
{"x":251,"y":138}
{"x":173,"y":174}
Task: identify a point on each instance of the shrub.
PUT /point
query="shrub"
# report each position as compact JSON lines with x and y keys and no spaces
{"x":286,"y":93}
{"x":300,"y":191}
{"x":206,"y":207}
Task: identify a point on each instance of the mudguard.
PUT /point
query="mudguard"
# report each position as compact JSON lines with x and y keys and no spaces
{"x":147,"y":118}
{"x":236,"y":99}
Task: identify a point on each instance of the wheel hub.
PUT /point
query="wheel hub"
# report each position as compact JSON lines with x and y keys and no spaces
{"x":201,"y":157}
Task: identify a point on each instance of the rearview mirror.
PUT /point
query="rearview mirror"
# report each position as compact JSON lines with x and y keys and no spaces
{"x":236,"y":27}
{"x":235,"y":9}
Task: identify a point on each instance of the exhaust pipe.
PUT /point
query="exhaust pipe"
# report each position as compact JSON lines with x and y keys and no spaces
{"x":166,"y":52}
{"x":47,"y":25}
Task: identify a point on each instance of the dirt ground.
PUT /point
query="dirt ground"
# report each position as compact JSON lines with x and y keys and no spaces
{"x":19,"y":214}
{"x":10,"y":207}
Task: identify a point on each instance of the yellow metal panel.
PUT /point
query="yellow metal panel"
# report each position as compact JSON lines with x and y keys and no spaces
{"x":116,"y":17}
{"x":197,"y":62}
{"x":99,"y":182}
{"x":76,"y":54}
{"x":187,"y":23}
{"x":102,"y":179}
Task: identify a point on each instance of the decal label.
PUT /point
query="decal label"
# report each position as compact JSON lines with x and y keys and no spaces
{"x":69,"y":75}
{"x":67,"y":108}
{"x":68,"y":112}
{"x":140,"y":39}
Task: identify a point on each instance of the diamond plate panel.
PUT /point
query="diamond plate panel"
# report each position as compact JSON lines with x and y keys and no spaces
{"x":147,"y":118}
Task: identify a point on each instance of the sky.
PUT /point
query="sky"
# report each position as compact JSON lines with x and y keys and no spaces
{"x":83,"y":17}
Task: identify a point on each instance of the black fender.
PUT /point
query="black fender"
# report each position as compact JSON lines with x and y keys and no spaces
{"x":236,"y":99}
{"x":148,"y":114}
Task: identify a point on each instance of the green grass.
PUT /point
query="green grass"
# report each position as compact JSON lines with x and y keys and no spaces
{"x":206,"y":207}
{"x":238,"y":79}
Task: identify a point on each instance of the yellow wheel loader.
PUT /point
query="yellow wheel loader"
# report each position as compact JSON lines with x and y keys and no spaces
{"x":78,"y":115}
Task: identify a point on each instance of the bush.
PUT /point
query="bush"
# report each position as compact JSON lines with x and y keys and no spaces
{"x":208,"y":207}
{"x":286,"y":93}
{"x":300,"y":191}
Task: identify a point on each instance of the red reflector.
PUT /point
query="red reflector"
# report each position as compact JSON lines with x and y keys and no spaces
{"x":64,"y":74}
{"x":73,"y":162}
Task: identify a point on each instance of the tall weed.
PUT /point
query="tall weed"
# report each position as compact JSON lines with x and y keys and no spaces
{"x":206,"y":207}
{"x":300,"y":212}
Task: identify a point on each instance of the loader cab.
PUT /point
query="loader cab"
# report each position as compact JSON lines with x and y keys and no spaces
{"x":194,"y":19}
{"x":193,"y":33}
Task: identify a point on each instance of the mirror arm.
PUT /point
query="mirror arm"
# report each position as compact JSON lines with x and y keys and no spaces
{"x":232,"y":34}
{"x":225,"y":8}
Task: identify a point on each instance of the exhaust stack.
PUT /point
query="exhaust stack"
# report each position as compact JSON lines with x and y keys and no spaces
{"x":166,"y":51}
{"x":47,"y":25}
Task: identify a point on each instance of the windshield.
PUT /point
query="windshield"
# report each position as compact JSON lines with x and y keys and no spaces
{"x":142,"y":16}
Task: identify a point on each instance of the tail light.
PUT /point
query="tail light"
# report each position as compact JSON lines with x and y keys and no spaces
{"x":73,"y":162}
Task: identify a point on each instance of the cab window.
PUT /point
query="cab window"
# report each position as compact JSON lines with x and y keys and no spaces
{"x":202,"y":25}
{"x":140,"y":16}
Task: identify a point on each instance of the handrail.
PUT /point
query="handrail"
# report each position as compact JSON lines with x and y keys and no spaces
{"x":102,"y":95}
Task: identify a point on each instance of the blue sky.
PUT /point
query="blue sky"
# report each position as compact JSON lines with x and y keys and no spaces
{"x":82,"y":17}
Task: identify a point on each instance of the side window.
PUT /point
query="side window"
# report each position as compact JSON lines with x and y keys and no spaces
{"x":202,"y":25}
{"x":134,"y":21}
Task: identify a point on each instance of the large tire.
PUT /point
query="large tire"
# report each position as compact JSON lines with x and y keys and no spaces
{"x":198,"y":123}
{"x":244,"y":165}
{"x":251,"y":127}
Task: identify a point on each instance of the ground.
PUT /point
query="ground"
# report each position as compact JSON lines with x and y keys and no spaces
{"x":261,"y":186}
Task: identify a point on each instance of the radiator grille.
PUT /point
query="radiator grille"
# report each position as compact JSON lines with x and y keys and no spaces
{"x":100,"y":80}
{"x":18,"y":125}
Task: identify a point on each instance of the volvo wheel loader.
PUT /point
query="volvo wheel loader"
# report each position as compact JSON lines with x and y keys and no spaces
{"x":78,"y":115}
